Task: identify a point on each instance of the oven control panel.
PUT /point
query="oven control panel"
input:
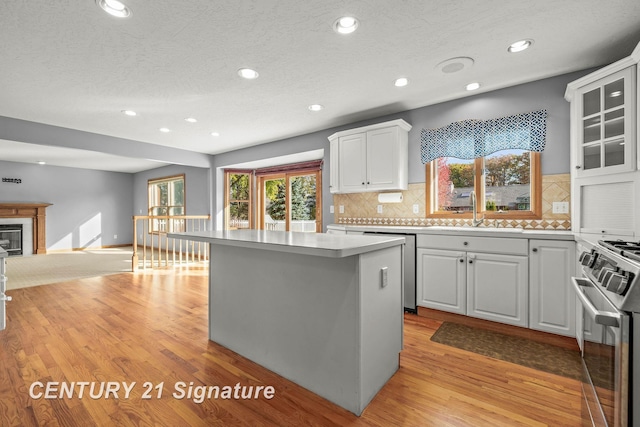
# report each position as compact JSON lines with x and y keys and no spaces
{"x":606,"y":272}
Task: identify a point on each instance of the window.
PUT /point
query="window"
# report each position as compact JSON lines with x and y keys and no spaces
{"x":166,"y":198}
{"x":507,"y":185}
{"x":238,"y":199}
{"x":504,"y":171}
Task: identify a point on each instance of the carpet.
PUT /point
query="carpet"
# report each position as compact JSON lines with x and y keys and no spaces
{"x":34,"y":270}
{"x":544,"y":357}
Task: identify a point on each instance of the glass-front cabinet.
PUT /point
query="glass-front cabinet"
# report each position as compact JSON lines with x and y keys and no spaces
{"x":605,"y":161}
{"x":606,"y":125}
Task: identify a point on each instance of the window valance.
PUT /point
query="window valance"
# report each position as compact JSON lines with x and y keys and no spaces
{"x":471,"y":139}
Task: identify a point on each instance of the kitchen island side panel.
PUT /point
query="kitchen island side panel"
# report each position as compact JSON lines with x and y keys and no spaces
{"x":293,"y":314}
{"x":381,"y":318}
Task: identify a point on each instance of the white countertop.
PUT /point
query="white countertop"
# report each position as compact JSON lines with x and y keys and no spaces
{"x":317,"y":244}
{"x":471,"y":231}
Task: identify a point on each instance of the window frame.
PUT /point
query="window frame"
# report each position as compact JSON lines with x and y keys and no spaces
{"x":154,"y":224}
{"x":256,"y":219}
{"x":260,"y":202}
{"x":535,"y":211}
{"x":228,"y":200}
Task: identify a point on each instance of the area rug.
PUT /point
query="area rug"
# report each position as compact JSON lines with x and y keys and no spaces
{"x":34,"y":270}
{"x":532,"y":354}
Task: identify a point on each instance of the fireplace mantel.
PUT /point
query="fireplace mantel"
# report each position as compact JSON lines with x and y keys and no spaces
{"x":35,"y":211}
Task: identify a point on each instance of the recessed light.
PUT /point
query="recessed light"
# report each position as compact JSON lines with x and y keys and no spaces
{"x":130,"y":113}
{"x":114,"y":8}
{"x":520,"y":45}
{"x":401,"y":82}
{"x":316,"y":107}
{"x":215,"y":133}
{"x":165,"y":130}
{"x":248,"y":73}
{"x":190,"y":120}
{"x":42,"y":162}
{"x":472,"y":86}
{"x":345,"y":25}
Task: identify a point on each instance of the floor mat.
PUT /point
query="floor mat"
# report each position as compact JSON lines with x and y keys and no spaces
{"x":525,"y":352}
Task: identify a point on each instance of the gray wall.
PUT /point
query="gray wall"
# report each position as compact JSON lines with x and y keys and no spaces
{"x":542,"y":94}
{"x":197,"y":190}
{"x":89,"y":207}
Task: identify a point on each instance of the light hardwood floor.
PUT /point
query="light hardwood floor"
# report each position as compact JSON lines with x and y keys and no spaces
{"x":152,"y":327}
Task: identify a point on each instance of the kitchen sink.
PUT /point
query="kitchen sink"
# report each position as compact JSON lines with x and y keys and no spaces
{"x":475,"y":229}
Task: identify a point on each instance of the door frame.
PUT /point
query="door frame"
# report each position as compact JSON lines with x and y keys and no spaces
{"x":260,"y":202}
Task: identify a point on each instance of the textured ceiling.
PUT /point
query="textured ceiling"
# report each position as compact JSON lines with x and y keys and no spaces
{"x":67,"y":63}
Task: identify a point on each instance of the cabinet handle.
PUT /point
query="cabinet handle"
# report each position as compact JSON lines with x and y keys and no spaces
{"x":368,"y":183}
{"x":470,"y":261}
{"x":461,"y":260}
{"x":534,"y":250}
{"x":466,"y":243}
{"x":363,"y":183}
{"x":578,"y":167}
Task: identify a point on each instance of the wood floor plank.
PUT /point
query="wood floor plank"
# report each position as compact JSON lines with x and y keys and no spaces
{"x":151,"y":327}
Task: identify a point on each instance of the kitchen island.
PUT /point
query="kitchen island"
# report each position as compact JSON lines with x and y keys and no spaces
{"x":324,"y":311}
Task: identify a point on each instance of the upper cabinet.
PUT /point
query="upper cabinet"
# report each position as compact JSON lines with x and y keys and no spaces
{"x":370,"y":158}
{"x":604,"y":119}
{"x":605,"y":125}
{"x":605,"y":160}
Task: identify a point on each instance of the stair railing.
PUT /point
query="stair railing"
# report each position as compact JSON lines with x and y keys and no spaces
{"x":153,"y":248}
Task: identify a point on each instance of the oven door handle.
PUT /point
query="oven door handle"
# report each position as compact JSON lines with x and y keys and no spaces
{"x":605,"y":318}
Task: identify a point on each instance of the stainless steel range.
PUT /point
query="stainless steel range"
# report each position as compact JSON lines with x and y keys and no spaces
{"x":608,"y":326}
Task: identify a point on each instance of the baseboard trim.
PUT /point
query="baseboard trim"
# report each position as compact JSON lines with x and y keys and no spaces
{"x":89,"y":248}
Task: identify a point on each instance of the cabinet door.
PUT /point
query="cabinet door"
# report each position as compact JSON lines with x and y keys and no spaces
{"x":606,"y":206}
{"x":3,"y":288}
{"x":497,"y":288}
{"x":441,"y":280}
{"x":605,"y":128}
{"x":383,"y":158}
{"x":352,"y":162}
{"x":334,"y":169}
{"x":551,"y":297}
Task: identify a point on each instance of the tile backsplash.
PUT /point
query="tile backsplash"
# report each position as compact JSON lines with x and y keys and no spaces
{"x":361,"y":208}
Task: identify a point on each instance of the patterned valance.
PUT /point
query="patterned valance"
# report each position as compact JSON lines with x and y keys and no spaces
{"x":470,"y":139}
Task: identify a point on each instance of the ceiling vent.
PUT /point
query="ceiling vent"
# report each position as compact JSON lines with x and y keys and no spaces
{"x":454,"y":65}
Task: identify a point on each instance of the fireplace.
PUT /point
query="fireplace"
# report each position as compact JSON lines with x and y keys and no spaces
{"x":11,"y":238}
{"x":33,"y":214}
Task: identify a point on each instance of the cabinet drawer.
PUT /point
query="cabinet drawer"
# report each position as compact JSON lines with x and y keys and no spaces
{"x":494,"y":245}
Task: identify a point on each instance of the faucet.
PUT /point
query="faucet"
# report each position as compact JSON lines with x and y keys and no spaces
{"x":474,"y":205}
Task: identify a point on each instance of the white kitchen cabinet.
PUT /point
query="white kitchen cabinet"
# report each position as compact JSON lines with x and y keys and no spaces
{"x":604,"y":150}
{"x":442,"y":280}
{"x":352,"y":163}
{"x":497,"y":287}
{"x":370,"y":158}
{"x":482,"y":277}
{"x":606,"y":206}
{"x":551,"y":298}
{"x":604,"y":124}
{"x":333,"y":171}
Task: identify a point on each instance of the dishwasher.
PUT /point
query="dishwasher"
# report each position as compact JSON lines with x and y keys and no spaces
{"x":409,"y":284}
